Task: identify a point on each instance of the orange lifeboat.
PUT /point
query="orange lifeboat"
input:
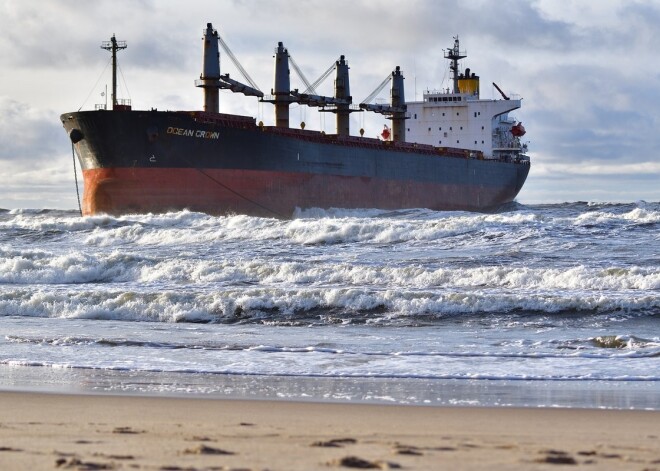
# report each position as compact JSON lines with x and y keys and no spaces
{"x":518,"y":130}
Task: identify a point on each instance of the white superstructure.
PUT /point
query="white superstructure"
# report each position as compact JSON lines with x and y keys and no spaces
{"x":459,"y":118}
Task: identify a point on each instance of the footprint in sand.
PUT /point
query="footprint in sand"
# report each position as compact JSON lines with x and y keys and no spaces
{"x":126,"y":430}
{"x":359,"y":463}
{"x":411,"y":450}
{"x":206,"y":450}
{"x":335,"y":443}
{"x":556,"y":457}
{"x":75,"y":463}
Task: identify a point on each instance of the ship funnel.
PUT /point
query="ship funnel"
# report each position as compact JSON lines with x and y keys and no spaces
{"x":210,"y":78}
{"x":469,"y":83}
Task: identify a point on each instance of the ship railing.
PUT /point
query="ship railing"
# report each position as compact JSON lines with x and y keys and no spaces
{"x":371,"y":143}
{"x":350,"y":141}
{"x":122,"y":104}
{"x":223,"y":119}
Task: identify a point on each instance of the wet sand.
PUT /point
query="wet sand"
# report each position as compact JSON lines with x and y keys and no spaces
{"x":85,"y":432}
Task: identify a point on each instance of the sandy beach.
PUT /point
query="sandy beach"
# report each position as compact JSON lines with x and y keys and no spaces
{"x":54,"y":431}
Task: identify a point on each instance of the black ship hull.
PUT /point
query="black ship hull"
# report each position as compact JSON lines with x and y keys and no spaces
{"x":151,"y":161}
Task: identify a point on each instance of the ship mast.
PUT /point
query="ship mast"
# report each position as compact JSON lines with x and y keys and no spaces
{"x":454,"y":55}
{"x":210,"y":78}
{"x":113,"y":46}
{"x":343,"y":92}
{"x":398,"y":104}
{"x":340,"y":104}
{"x":282,"y":88}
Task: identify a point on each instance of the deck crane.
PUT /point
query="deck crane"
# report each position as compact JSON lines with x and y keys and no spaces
{"x":211,"y":80}
{"x":501,"y":92}
{"x":396,"y":110}
{"x":310,"y":96}
{"x":282,"y":95}
{"x":341,"y":103}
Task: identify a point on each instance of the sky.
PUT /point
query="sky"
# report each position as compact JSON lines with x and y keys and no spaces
{"x":588,"y":73}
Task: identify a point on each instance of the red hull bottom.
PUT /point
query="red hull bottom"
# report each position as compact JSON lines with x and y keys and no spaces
{"x":272,"y":194}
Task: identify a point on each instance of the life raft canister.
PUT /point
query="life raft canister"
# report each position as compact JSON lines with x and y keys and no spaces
{"x":386,"y":133}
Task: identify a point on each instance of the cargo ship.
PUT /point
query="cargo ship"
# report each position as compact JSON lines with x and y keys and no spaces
{"x":450,"y":151}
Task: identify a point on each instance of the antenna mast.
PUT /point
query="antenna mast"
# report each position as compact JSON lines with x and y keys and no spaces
{"x":113,"y":46}
{"x":454,"y":55}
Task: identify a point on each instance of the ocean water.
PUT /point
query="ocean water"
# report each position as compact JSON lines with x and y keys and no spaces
{"x":539,"y":305}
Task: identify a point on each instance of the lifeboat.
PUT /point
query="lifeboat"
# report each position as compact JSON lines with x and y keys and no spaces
{"x":518,"y":130}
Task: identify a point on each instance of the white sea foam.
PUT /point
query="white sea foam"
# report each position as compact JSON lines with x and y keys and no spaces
{"x":564,"y":292}
{"x":273,"y":303}
{"x":25,"y":266}
{"x":636,"y":215}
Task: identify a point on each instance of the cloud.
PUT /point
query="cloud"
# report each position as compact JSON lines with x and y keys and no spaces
{"x":28,"y":134}
{"x":35,"y":169}
{"x":587,"y":71}
{"x":597,"y":169}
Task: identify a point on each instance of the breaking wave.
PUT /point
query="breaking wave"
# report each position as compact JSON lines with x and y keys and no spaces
{"x":332,"y":265}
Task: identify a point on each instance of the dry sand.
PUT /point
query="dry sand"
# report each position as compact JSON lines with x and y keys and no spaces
{"x":52,"y":431}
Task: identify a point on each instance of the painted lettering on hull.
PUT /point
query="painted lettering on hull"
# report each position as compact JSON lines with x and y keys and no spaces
{"x":199,"y":133}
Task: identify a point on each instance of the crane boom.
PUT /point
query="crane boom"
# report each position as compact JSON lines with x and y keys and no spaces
{"x":238,"y":65}
{"x":323,"y":76}
{"x":238,"y":87}
{"x":376,"y":91}
{"x":501,"y":92}
{"x":301,"y":75}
